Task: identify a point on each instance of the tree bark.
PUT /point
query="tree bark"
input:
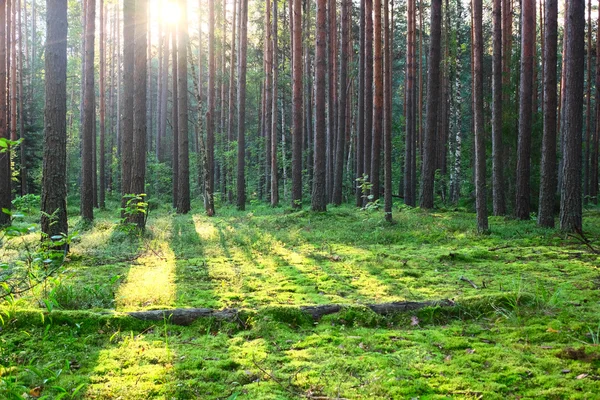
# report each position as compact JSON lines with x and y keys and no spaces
{"x":522,"y":205}
{"x":183,"y":197}
{"x":87,"y":161}
{"x":387,"y":101}
{"x":273,"y":152}
{"x":128,"y":94}
{"x":499,"y":204}
{"x":571,"y":202}
{"x":232,"y":93}
{"x":480,"y":177}
{"x":368,"y":132}
{"x":596,"y":141}
{"x":297,"y":112}
{"x":377,"y":111}
{"x":210,"y":122}
{"x":340,"y":145}
{"x":175,"y":115}
{"x":332,"y":105}
{"x":102,"y":105}
{"x":5,"y":168}
{"x":433,"y":97}
{"x":242,"y":63}
{"x":319,"y":190}
{"x":360,"y":137}
{"x":409,"y":155}
{"x":548,"y":173}
{"x":54,"y":172}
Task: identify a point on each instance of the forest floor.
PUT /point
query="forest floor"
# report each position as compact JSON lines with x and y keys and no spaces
{"x":527,"y":324}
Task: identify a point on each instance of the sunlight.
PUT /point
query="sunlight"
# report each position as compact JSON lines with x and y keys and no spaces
{"x":167,"y":11}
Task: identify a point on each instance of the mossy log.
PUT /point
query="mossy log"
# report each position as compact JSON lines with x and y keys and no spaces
{"x":186,"y":316}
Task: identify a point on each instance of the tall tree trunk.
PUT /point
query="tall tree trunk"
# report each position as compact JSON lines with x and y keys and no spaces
{"x":232,"y":93}
{"x":242,"y":63}
{"x":268,"y":96}
{"x":360,"y":136}
{"x":140,"y":76}
{"x":332,"y":94}
{"x":54,"y":172}
{"x":433,"y":96}
{"x":102,"y":89}
{"x":522,"y":205}
{"x":548,"y":173}
{"x":128,"y":94}
{"x":210,"y":121}
{"x":499,"y":204}
{"x":23,"y":172}
{"x":319,"y":192}
{"x":368,"y":145}
{"x":340,"y":145}
{"x":175,"y":116}
{"x":570,"y":202}
{"x":588,"y":108}
{"x":409,"y":166}
{"x":87,"y":166}
{"x":273,"y":160}
{"x":480,"y":187}
{"x":377,"y":111}
{"x":183,"y":197}
{"x":5,"y":169}
{"x":387,"y":101}
{"x":596,"y":141}
{"x":297,"y":105}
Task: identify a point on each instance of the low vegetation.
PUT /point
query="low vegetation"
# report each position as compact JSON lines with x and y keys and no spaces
{"x":524,"y":324}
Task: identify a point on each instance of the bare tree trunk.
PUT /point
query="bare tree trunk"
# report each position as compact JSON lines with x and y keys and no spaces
{"x":268,"y":96}
{"x":297,"y":113}
{"x":183,"y":197}
{"x":175,"y":116}
{"x":340,"y":145}
{"x":54,"y":173}
{"x":242,"y":62}
{"x":548,"y":174}
{"x":570,"y":202}
{"x":377,"y":111}
{"x":499,"y":204}
{"x":596,"y":141}
{"x":232,"y":93}
{"x":480,"y":189}
{"x":433,"y":97}
{"x":360,"y":138}
{"x":319,"y":192}
{"x":387,"y":101}
{"x":409,"y":166}
{"x":5,"y":168}
{"x":140,"y":76}
{"x":210,"y":114}
{"x":368,"y":145}
{"x":588,"y":108}
{"x":102,"y":89}
{"x":522,"y":206}
{"x":23,"y":172}
{"x":332,"y":97}
{"x":128,"y":88}
{"x":87,"y":166}
{"x":273,"y":160}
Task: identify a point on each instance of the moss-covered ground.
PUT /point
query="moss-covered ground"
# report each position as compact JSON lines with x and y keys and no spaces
{"x":530,"y":329}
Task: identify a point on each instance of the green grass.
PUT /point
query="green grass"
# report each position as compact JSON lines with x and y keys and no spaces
{"x":529,"y":331}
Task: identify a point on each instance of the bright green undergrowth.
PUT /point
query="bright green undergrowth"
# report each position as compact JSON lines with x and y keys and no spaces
{"x":530,"y":329}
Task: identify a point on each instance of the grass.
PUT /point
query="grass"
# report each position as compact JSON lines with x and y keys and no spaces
{"x":530,"y":330}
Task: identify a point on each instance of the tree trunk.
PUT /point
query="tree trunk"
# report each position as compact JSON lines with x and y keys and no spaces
{"x":54,"y":173}
{"x":588,"y":108}
{"x":241,"y":102}
{"x":499,"y":204}
{"x":232,"y":92}
{"x":128,"y":88}
{"x":102,"y":89}
{"x":87,"y":162}
{"x":175,"y":116}
{"x":340,"y":145}
{"x":596,"y":141}
{"x":570,"y":202}
{"x":360,"y":137}
{"x":480,"y":187}
{"x":548,"y":173}
{"x":210,"y":121}
{"x":319,"y":192}
{"x":433,"y":97}
{"x":522,"y":205}
{"x":5,"y":168}
{"x":332,"y":109}
{"x":387,"y":101}
{"x":273,"y":160}
{"x":368,"y":133}
{"x":297,"y":113}
{"x":377,"y":111}
{"x":183,"y":197}
{"x":409,"y":166}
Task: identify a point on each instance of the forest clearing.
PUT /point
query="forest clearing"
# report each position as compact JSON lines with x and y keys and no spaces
{"x":299,"y":199}
{"x":523,"y":320}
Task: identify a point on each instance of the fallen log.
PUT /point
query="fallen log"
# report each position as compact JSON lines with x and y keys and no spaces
{"x":186,"y":316}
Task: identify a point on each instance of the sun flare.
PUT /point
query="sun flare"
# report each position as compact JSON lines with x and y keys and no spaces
{"x":168,"y":11}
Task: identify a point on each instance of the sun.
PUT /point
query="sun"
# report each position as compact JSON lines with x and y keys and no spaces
{"x":168,"y":11}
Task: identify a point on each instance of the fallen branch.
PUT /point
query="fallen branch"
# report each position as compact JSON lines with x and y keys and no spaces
{"x":186,"y":316}
{"x":470,"y":282}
